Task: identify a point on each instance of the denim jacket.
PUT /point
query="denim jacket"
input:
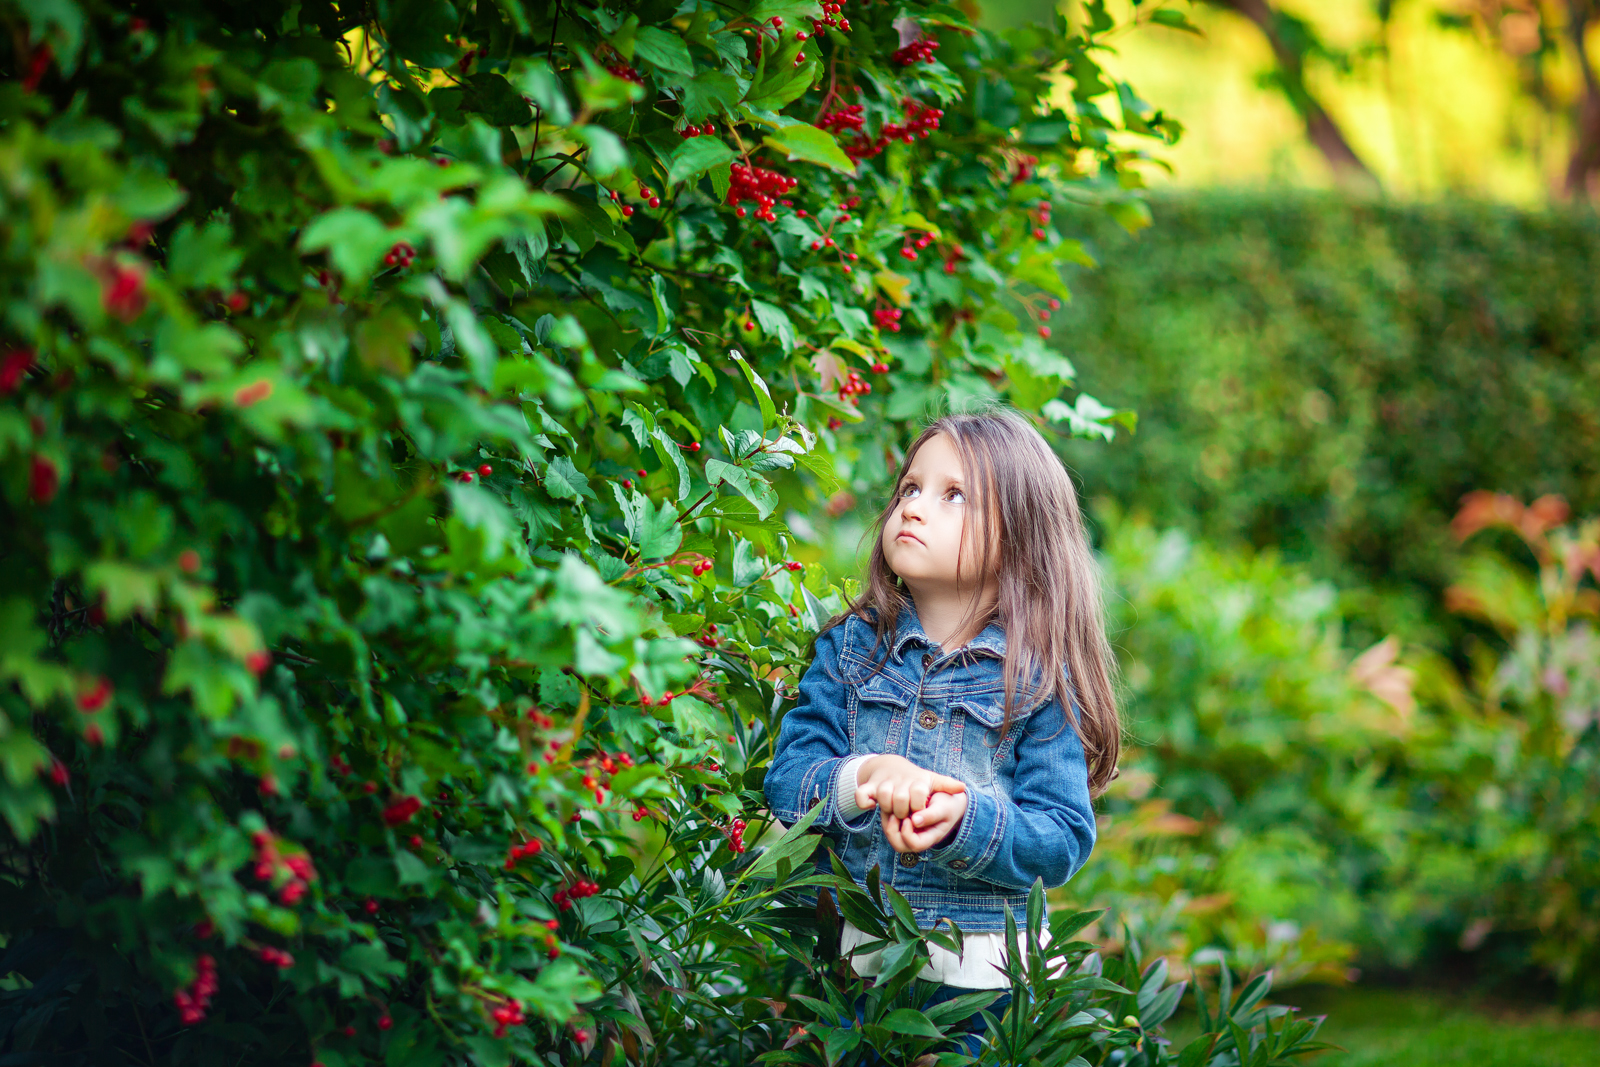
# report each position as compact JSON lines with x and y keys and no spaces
{"x":1028,"y":809}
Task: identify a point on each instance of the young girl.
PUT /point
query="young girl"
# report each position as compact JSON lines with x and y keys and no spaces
{"x":937,"y":697}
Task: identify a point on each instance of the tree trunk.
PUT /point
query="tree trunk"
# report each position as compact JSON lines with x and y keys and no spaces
{"x":1584,"y":162}
{"x":1321,"y":128}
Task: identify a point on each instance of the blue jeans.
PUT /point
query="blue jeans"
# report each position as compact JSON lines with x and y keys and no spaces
{"x":969,"y":1036}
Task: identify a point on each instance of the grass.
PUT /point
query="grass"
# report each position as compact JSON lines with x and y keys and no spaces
{"x":1424,"y":1028}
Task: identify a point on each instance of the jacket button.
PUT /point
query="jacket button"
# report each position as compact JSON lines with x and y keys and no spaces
{"x":959,"y":865}
{"x":928,"y":719}
{"x":908,"y":859}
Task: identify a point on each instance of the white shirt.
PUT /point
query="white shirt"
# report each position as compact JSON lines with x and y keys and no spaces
{"x":982,"y":963}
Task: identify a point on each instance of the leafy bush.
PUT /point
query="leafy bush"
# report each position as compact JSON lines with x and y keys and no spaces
{"x":1255,"y":796}
{"x":1328,"y":377}
{"x":396,"y":614}
{"x":1306,"y":806}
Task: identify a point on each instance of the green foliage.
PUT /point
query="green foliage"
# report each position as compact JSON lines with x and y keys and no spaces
{"x":395,"y":414}
{"x":1329,"y":377}
{"x":1306,"y":804}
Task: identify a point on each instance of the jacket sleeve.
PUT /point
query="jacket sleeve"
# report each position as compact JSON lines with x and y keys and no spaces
{"x":1046,"y":828}
{"x":813,"y":744}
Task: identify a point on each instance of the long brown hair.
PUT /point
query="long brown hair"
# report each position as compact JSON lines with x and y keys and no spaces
{"x":1032,"y":538}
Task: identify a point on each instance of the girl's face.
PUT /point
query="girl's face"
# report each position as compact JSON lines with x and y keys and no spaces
{"x":922,"y":537}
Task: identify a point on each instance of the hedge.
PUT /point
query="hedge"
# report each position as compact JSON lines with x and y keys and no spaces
{"x":1330,"y":376}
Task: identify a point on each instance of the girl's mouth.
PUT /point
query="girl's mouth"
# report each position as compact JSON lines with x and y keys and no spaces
{"x":912,"y":536}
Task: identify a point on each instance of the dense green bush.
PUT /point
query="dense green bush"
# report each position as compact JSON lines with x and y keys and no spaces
{"x":1329,"y":376}
{"x":395,"y":617}
{"x":1309,"y":804}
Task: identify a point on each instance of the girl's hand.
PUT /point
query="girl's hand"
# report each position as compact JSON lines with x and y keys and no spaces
{"x":898,"y":787}
{"x":924,"y":829}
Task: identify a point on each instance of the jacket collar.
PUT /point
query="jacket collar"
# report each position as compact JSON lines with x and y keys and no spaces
{"x":908,"y":630}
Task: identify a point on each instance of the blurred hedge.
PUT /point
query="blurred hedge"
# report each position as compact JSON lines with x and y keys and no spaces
{"x":1330,"y":376}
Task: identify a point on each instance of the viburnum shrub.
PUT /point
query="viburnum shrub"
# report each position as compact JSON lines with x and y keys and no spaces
{"x":392,"y":405}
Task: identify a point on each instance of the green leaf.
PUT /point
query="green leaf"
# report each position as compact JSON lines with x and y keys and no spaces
{"x":811,"y":145}
{"x":769,"y":413}
{"x":697,"y":155}
{"x":910,"y":1021}
{"x":795,"y":844}
{"x":773,"y":319}
{"x":751,"y":486}
{"x":355,"y":240}
{"x":662,"y":49}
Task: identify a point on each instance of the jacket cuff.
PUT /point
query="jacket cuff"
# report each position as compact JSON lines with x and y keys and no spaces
{"x":844,"y":794}
{"x":820,"y":785}
{"x":978,"y":837}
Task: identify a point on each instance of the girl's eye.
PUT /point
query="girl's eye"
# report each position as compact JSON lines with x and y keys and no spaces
{"x":906,"y":489}
{"x":961,"y":498}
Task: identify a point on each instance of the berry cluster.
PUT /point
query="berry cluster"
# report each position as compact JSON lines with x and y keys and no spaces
{"x":627,"y":209}
{"x":400,"y":255}
{"x":909,"y":248}
{"x":339,"y":765}
{"x":507,"y":1015}
{"x":626,"y":73}
{"x":762,"y":186}
{"x":952,"y":256}
{"x":95,"y":697}
{"x":794,"y":564}
{"x":710,"y":638}
{"x":1043,"y":314}
{"x":124,"y":294}
{"x":1042,"y":220}
{"x":922,"y":48}
{"x":576,"y":891}
{"x":192,"y":1002}
{"x":735,"y":832}
{"x":58,"y":772}
{"x":692,"y":130}
{"x":276,"y":957}
{"x":1024,"y":171}
{"x":853,"y":387}
{"x":14,"y":366}
{"x":920,"y":122}
{"x":527,"y":848}
{"x":831,"y":17}
{"x":887,"y":319}
{"x":401,"y":811}
{"x":849,"y":117}
{"x":640,"y":812}
{"x":701,"y":566}
{"x":269,"y":865}
{"x":465,"y":477}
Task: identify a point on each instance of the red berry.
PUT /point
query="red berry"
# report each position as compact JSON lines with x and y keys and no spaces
{"x":627,"y":210}
{"x":485,"y":470}
{"x":385,"y":1022}
{"x":641,"y":472}
{"x":370,"y":787}
{"x":627,"y":483}
{"x":1055,"y":305}
{"x":739,"y":211}
{"x":749,"y":325}
{"x":371,"y":906}
{"x":1044,"y":331}
{"x":654,"y":201}
{"x":96,"y":697}
{"x":349,"y":1031}
{"x":257,"y":662}
{"x":800,"y":36}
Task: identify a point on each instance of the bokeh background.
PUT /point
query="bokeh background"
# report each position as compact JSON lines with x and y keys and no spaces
{"x":1352,"y":548}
